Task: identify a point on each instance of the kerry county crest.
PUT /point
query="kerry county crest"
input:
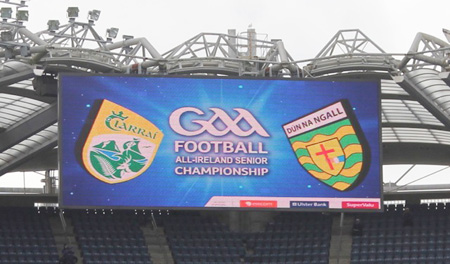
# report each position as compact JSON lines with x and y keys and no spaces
{"x":330,"y":146}
{"x":121,"y":144}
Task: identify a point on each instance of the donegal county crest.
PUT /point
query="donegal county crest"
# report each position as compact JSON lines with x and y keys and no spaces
{"x":330,"y":146}
{"x":121,"y":144}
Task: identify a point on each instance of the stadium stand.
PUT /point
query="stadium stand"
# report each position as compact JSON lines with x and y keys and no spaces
{"x":197,"y":239}
{"x":289,"y":238}
{"x":113,"y":238}
{"x":193,"y":237}
{"x":293,"y":238}
{"x":387,"y":239}
{"x":26,"y":237}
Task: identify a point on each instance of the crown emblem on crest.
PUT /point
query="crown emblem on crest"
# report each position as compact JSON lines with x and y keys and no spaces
{"x":119,"y":115}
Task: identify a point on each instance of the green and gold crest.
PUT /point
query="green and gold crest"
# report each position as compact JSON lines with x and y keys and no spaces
{"x":121,"y":144}
{"x":330,"y":146}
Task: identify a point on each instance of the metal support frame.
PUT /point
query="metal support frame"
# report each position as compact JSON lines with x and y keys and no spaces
{"x":430,"y":104}
{"x":350,"y":50}
{"x":16,"y":77}
{"x":341,"y":226}
{"x":426,"y":51}
{"x":415,"y":153}
{"x":51,"y":143}
{"x":27,"y":94}
{"x":79,"y":47}
{"x":28,"y":127}
{"x":232,"y":55}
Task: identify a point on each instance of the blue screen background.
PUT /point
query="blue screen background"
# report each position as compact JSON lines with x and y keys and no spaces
{"x":272,"y":102}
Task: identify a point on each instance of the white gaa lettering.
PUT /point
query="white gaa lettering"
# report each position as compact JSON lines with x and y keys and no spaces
{"x":219,"y":114}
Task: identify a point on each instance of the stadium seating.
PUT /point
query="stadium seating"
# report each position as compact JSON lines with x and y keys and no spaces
{"x":386,"y":239}
{"x":26,"y":237}
{"x":293,"y":238}
{"x":196,"y":239}
{"x":290,"y":238}
{"x":110,"y":238}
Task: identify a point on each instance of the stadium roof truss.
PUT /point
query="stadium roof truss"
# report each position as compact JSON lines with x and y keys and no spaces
{"x":415,"y":85}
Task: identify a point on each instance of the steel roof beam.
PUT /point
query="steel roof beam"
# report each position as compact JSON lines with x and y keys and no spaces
{"x":425,"y":50}
{"x":417,"y":187}
{"x":413,"y":125}
{"x":28,"y":127}
{"x":47,"y":160}
{"x":415,"y":153}
{"x":445,"y":76}
{"x":397,"y":97}
{"x":27,"y":93}
{"x":10,"y":166}
{"x":16,"y":77}
{"x":427,"y":102}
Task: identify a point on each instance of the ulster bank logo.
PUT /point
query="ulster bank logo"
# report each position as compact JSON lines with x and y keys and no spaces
{"x":121,"y":145}
{"x":330,"y":146}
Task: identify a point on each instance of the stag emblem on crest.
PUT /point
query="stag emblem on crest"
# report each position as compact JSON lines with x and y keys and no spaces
{"x":121,"y":144}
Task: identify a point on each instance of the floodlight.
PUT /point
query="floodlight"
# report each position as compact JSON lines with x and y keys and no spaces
{"x":6,"y":35}
{"x":94,"y":15}
{"x":22,"y":15}
{"x":72,"y":12}
{"x":446,"y":33}
{"x":5,"y":12}
{"x":112,"y":33}
{"x":127,"y":37}
{"x":53,"y":25}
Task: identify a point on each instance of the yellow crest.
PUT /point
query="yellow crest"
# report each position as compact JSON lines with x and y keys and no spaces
{"x":121,"y":144}
{"x":328,"y":156}
{"x":330,"y":146}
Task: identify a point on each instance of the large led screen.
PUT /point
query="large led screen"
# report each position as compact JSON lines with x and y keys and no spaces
{"x":180,"y":142}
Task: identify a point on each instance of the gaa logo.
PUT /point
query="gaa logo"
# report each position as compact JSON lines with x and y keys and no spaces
{"x":231,"y":125}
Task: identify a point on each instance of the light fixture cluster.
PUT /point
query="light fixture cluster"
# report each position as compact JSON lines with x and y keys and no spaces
{"x":72,"y":14}
{"x":6,"y":13}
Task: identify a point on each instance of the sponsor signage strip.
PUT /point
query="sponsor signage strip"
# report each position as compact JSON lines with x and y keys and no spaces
{"x":296,"y":202}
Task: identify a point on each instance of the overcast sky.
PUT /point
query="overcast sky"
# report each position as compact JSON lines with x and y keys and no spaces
{"x":304,"y":26}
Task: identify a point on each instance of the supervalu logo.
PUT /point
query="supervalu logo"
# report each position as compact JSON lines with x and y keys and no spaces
{"x":121,"y":144}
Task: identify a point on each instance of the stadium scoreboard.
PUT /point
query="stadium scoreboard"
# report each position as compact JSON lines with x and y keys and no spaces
{"x":197,"y":142}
